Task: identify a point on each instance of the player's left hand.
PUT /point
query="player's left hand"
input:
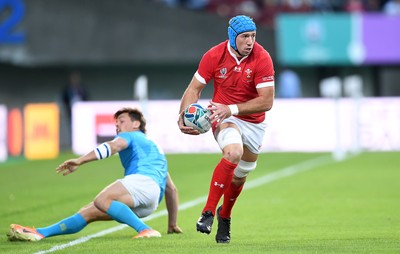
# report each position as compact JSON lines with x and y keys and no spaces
{"x":219,"y":112}
{"x":174,"y":230}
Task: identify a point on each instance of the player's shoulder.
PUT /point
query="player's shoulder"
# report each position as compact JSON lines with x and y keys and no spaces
{"x":218,"y":49}
{"x":260,"y":51}
{"x":130,"y":135}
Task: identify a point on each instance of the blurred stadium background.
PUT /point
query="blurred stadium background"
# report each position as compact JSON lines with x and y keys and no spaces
{"x":341,"y":48}
{"x":143,"y":53}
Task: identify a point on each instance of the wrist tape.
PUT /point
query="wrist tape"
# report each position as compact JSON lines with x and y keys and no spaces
{"x":234,"y":109}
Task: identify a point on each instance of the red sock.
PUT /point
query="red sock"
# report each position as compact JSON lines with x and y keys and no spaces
{"x":220,"y":181}
{"x":230,"y":196}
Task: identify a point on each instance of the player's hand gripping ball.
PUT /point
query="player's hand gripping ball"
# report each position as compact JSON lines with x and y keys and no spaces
{"x":197,"y":117}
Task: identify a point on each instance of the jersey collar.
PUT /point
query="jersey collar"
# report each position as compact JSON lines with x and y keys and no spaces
{"x":234,"y":55}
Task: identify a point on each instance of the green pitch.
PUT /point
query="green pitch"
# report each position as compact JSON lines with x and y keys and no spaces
{"x":293,"y":203}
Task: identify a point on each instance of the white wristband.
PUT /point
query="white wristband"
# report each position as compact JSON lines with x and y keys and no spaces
{"x":234,"y":109}
{"x":103,"y":151}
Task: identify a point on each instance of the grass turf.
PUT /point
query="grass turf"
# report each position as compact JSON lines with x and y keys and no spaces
{"x":350,"y":206}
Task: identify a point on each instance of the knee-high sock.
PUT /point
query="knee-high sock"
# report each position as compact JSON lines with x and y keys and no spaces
{"x":70,"y":225}
{"x":230,"y":197}
{"x":123,"y":214}
{"x":220,"y":180}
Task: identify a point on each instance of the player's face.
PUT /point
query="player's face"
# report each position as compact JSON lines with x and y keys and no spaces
{"x":125,"y":124}
{"x":245,"y":42}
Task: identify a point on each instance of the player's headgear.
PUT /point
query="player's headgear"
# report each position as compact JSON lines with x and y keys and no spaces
{"x":237,"y":25}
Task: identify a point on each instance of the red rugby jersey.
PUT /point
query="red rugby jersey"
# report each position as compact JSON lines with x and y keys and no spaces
{"x":236,"y":81}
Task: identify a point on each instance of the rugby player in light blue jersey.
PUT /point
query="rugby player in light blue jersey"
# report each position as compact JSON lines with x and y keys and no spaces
{"x":135,"y":196}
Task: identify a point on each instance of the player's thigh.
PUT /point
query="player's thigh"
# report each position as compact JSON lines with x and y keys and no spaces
{"x":144,"y":191}
{"x":230,"y":142}
{"x":248,"y":155}
{"x":114,"y":191}
{"x":225,"y":125}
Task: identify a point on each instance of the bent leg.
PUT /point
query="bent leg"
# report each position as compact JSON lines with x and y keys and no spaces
{"x":116,"y":201}
{"x":229,"y":140}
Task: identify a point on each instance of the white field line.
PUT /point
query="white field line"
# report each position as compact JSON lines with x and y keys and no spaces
{"x":285,"y":172}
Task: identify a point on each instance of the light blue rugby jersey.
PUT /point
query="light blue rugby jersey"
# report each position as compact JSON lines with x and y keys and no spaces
{"x":142,"y":156}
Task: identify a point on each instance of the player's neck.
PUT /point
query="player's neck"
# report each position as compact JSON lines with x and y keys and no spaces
{"x":237,"y":54}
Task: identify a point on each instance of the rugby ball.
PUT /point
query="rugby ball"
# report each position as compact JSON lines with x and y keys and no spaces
{"x":197,"y":117}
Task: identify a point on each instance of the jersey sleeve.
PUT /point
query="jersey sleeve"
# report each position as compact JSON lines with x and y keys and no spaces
{"x":205,"y":71}
{"x":126,"y":137}
{"x":265,"y":75}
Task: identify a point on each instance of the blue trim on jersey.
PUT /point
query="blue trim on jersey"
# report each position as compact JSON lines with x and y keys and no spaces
{"x":142,"y":156}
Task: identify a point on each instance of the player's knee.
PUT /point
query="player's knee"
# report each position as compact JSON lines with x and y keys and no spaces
{"x":233,"y":155}
{"x":100,"y":204}
{"x":244,"y":168}
{"x":231,"y":136}
{"x":90,"y":213}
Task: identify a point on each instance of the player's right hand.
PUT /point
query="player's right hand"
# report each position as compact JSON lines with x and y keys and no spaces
{"x":219,"y":112}
{"x":68,"y":167}
{"x":186,"y":129}
{"x":174,"y":230}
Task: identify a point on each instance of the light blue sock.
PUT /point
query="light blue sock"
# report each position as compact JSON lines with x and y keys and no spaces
{"x":123,"y":214}
{"x":69,"y":225}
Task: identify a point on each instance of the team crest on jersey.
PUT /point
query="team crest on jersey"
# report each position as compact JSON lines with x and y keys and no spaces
{"x":222,"y":73}
{"x":248,"y":72}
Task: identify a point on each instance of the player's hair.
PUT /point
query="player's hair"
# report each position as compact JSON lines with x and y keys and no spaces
{"x":134,"y":114}
{"x":237,"y":25}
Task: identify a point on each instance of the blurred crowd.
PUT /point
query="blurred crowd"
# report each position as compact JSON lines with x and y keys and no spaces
{"x":264,"y":11}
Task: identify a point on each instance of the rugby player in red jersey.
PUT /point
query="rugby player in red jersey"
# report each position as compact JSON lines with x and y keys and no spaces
{"x":243,"y":75}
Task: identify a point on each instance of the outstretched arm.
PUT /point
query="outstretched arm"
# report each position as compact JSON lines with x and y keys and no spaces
{"x":103,"y":151}
{"x":172,"y":201}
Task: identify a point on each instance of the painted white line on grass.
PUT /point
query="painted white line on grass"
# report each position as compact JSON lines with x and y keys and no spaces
{"x":289,"y":171}
{"x":285,"y":172}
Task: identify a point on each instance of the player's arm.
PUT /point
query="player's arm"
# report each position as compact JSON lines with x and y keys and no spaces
{"x":172,"y":202}
{"x":191,"y":95}
{"x":102,"y":151}
{"x":262,"y":103}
